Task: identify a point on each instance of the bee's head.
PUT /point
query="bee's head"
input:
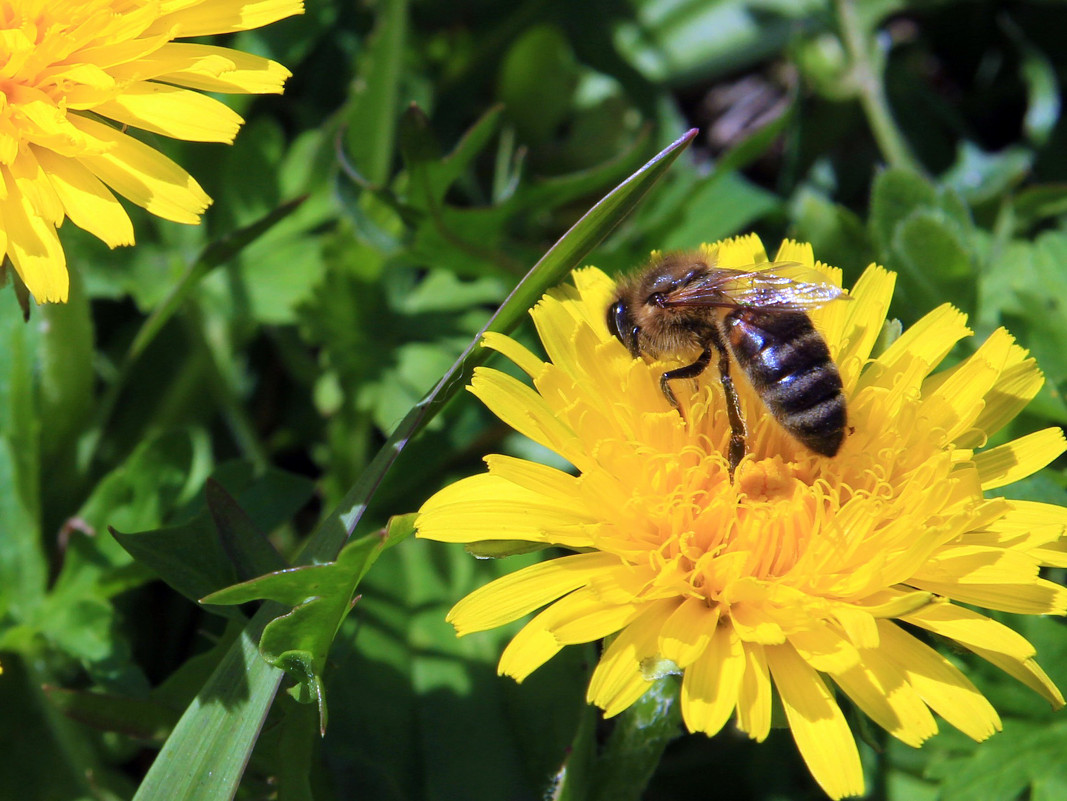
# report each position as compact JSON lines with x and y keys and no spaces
{"x":622,"y":325}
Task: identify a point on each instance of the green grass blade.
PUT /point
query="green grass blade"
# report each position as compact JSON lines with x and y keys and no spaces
{"x":205,"y":755}
{"x":560,"y":259}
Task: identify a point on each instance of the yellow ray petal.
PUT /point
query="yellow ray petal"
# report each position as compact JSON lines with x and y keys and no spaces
{"x":1020,"y":458}
{"x":618,"y":680}
{"x":1018,"y":385}
{"x":595,"y":621}
{"x":516,"y":594}
{"x":206,"y":68}
{"x":863,"y":322}
{"x":34,"y":249}
{"x":972,"y":629}
{"x":172,"y":111}
{"x":526,"y":411}
{"x":825,"y":649}
{"x":953,"y":399}
{"x":517,"y":353}
{"x":688,"y":631}
{"x":919,"y":349}
{"x":531,"y":647}
{"x":740,"y":252}
{"x":711,"y":684}
{"x":817,"y":724}
{"x":941,"y":685}
{"x":754,"y":701}
{"x":539,"y":478}
{"x":87,"y":202}
{"x":882,"y":691}
{"x":1027,"y":672}
{"x":143,"y":175}
{"x":1039,"y":597}
{"x":595,"y":290}
{"x":514,"y":513}
{"x":221,"y":16}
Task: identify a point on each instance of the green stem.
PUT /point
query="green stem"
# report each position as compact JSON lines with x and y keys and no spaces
{"x":867,"y":73}
{"x":639,"y":739}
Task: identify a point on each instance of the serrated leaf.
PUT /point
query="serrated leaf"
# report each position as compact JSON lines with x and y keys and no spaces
{"x":1008,"y":764}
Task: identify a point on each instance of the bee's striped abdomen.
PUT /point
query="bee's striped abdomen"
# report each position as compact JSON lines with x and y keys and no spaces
{"x":789,"y":366}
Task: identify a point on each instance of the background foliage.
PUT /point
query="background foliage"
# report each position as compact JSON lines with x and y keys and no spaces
{"x":220,"y":383}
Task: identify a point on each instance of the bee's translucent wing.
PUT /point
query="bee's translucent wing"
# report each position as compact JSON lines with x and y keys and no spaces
{"x":782,"y":286}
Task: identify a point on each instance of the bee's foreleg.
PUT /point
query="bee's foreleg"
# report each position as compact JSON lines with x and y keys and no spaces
{"x":689,"y":371}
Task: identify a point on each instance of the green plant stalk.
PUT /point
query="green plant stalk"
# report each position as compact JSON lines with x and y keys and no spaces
{"x":867,"y":81}
{"x":634,"y":749}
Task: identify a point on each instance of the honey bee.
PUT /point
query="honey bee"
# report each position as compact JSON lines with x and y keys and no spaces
{"x":682,"y":303}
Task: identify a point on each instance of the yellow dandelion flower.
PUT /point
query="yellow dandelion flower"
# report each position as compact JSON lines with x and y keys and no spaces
{"x":794,"y":577}
{"x":73,"y":76}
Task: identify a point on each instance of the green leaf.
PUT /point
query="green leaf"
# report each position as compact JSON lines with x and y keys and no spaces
{"x":499,"y":549}
{"x":371,"y":116}
{"x":935,"y":263}
{"x":537,"y":80}
{"x":205,"y":755}
{"x":66,"y":375}
{"x":188,"y":557}
{"x":23,"y":569}
{"x":433,"y":174}
{"x":321,"y":597}
{"x":717,"y":207}
{"x":250,"y":553}
{"x":982,"y":177}
{"x":896,"y":194}
{"x":1035,"y":204}
{"x":204,"y":554}
{"x":214,"y":255}
{"x":134,"y":717}
{"x":1025,"y":289}
{"x":1043,"y":96}
{"x":1008,"y":765}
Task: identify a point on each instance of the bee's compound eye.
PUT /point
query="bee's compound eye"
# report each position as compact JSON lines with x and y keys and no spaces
{"x":617,"y":320}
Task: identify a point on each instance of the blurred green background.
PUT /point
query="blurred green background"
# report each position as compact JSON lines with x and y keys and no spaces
{"x":440,"y":149}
